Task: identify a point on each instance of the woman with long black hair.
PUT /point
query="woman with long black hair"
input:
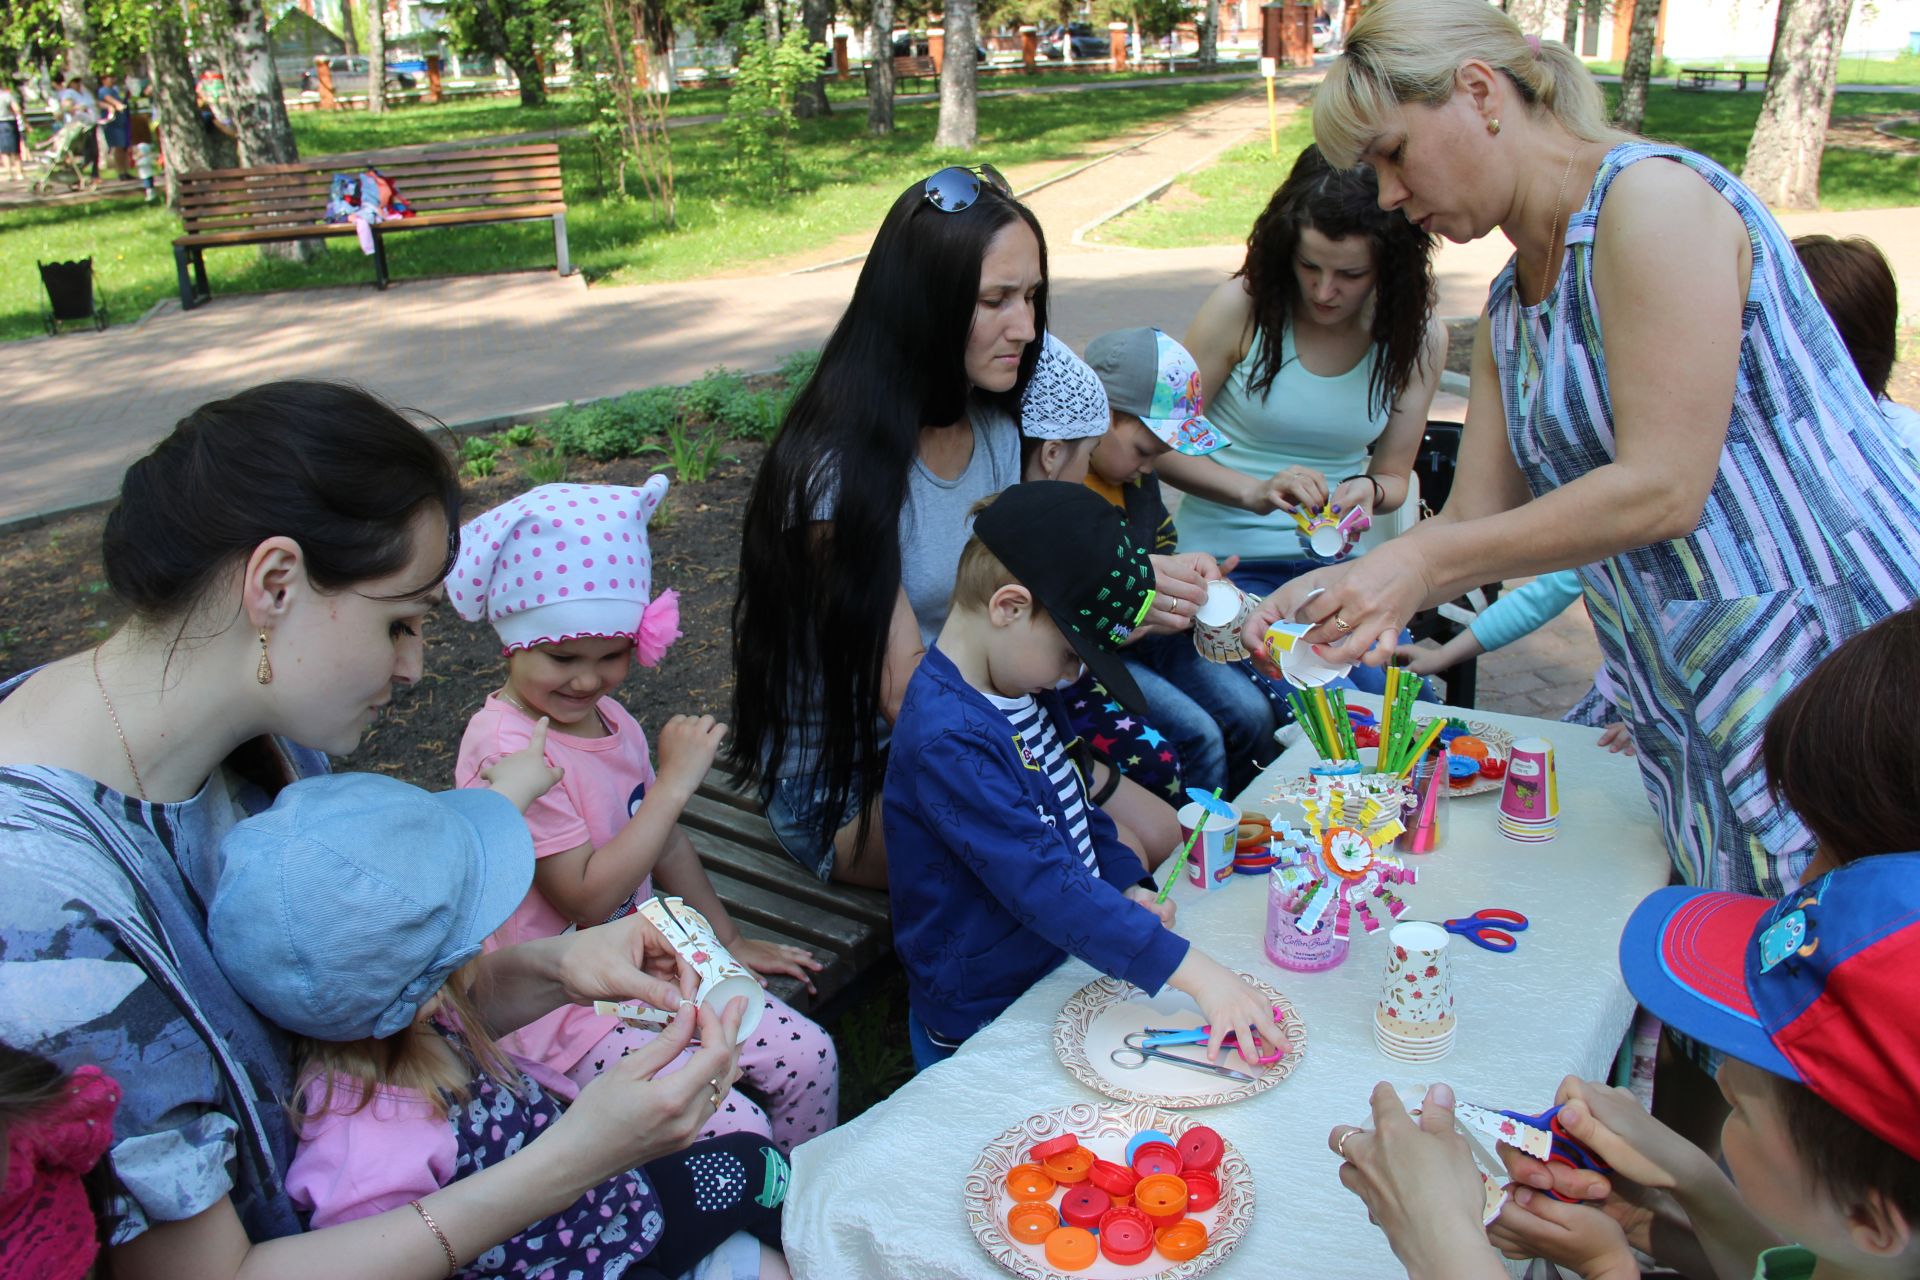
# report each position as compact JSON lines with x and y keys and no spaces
{"x":857,"y":518}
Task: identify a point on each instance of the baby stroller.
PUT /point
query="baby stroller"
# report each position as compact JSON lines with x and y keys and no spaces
{"x":66,"y":151}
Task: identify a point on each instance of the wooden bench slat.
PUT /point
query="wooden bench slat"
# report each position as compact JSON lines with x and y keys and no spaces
{"x":744,"y":847}
{"x":860,"y":943}
{"x":312,"y":205}
{"x":318,"y":186}
{"x":378,"y":159}
{"x":837,"y":972}
{"x":305,"y":230}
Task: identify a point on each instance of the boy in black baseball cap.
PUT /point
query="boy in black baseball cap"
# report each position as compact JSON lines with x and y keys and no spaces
{"x":996,"y":863}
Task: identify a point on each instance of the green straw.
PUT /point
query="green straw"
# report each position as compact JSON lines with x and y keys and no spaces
{"x":1180,"y":860}
{"x":1309,"y":724}
{"x":1343,"y":724}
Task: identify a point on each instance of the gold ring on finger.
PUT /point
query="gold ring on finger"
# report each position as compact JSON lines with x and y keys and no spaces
{"x":1340,"y":1147}
{"x":1341,"y":623}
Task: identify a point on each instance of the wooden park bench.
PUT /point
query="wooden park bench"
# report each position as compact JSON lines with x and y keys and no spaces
{"x":914,"y":69}
{"x":461,"y":185}
{"x":1700,"y":79}
{"x":770,"y":896}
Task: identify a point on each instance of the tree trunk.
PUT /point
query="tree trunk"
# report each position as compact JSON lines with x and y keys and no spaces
{"x":657,"y":26}
{"x":1639,"y":65}
{"x":1783,"y":160}
{"x":1529,"y":15}
{"x":184,"y":141}
{"x":959,"y":86}
{"x":1209,"y":53}
{"x":377,"y":57}
{"x":524,"y":62}
{"x":348,"y":35}
{"x":1570,"y":32}
{"x":77,"y":30}
{"x":770,"y":17}
{"x":810,"y":102}
{"x":259,"y":110}
{"x":880,"y":68}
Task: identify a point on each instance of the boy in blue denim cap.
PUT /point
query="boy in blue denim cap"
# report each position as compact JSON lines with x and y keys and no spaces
{"x":997,"y":864}
{"x":349,"y":913}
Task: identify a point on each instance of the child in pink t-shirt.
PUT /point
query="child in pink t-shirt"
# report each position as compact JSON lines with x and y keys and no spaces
{"x":564,"y":575}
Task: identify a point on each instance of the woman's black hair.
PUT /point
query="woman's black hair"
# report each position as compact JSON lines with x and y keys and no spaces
{"x":820,"y":549}
{"x":336,"y":469}
{"x":1339,"y":203}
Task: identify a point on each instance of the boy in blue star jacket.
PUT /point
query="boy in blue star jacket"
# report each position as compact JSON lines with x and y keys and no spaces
{"x":997,"y":865}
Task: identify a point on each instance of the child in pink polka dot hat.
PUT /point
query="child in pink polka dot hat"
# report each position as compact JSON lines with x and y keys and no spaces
{"x":564,"y":574}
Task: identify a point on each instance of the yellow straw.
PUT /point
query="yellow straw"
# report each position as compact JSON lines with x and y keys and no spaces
{"x":1325,"y":713}
{"x":1386,"y":720}
{"x":1426,"y":740}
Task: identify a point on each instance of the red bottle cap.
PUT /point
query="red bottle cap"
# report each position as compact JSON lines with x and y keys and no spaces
{"x":1071,"y":1248}
{"x":1126,"y":1236}
{"x":1162,"y":1197}
{"x":1084,"y":1205}
{"x":1115,"y":1179}
{"x":1069,"y":1166}
{"x":1031,"y":1221}
{"x":1029,"y":1182}
{"x":1183,"y":1240}
{"x":1156,"y":1157}
{"x":1200,"y":1148}
{"x":1053,"y":1146}
{"x":1203,"y":1190}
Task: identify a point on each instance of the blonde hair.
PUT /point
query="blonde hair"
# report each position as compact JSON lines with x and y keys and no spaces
{"x":1410,"y":50}
{"x":980,"y":573}
{"x":352,"y":1069}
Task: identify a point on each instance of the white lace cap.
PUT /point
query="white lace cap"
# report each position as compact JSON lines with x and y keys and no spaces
{"x":1064,"y":399}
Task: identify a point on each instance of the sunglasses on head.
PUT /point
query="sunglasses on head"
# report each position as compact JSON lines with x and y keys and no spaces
{"x":957,"y":187}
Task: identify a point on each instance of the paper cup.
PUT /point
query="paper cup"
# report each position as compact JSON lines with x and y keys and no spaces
{"x":1418,"y":985}
{"x":1216,"y":628}
{"x":722,"y":978}
{"x":1210,"y":865}
{"x":1296,"y":659}
{"x":1531,"y":794}
{"x":1287,"y":946}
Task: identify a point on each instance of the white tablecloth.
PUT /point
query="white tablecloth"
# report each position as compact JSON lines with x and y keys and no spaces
{"x":881,"y":1195}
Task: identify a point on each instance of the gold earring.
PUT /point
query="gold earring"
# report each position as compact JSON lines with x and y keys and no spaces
{"x":1493,"y":126}
{"x":264,"y":672}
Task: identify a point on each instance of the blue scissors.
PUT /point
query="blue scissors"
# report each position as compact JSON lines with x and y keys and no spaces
{"x":1566,"y":1149}
{"x":1490,"y":927}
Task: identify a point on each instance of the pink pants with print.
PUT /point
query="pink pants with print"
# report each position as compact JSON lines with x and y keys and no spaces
{"x":789,"y":1063}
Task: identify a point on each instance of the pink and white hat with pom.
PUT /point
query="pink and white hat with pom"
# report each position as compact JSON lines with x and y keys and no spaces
{"x":563,"y":562}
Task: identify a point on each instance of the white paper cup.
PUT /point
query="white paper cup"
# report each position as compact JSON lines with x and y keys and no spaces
{"x":722,"y":978}
{"x":1296,"y":659}
{"x":1210,"y":865}
{"x":1216,"y":627}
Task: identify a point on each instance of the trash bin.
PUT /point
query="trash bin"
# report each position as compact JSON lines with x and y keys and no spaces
{"x":70,"y":294}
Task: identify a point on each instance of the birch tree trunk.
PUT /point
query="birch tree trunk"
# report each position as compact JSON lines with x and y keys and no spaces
{"x":259,"y":110}
{"x":959,"y":86}
{"x":186,"y":144}
{"x":1210,"y":35}
{"x":77,"y":30}
{"x":1783,"y":160}
{"x":810,"y":102}
{"x":377,"y":57}
{"x":880,"y":69}
{"x":1639,"y":66}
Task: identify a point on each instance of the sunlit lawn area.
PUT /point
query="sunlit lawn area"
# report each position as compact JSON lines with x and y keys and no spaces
{"x":1218,"y":204}
{"x":1902,"y":70}
{"x":840,"y":182}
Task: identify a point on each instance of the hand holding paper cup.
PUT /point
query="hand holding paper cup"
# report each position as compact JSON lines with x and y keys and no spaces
{"x":722,"y":978}
{"x":1216,"y":627}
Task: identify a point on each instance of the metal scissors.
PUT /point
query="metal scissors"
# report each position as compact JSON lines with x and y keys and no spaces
{"x":1566,"y":1150}
{"x":1490,"y":927}
{"x":1142,"y":1048}
{"x":1158,"y":1037}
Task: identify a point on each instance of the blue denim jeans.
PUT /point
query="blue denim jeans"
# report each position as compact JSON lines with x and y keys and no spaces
{"x":1219,"y":715}
{"x":1264,"y":577}
{"x":926,"y":1050}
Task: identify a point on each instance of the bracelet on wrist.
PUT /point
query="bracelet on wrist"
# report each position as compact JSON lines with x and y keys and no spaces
{"x":1379,"y":490}
{"x":446,"y":1246}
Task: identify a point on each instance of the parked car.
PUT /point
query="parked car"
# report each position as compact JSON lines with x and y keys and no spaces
{"x":1322,"y":34}
{"x":908,"y":46}
{"x":349,"y":75}
{"x":1087,"y":43}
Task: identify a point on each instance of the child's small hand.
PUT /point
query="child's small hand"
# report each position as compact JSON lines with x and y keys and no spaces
{"x":1144,"y":896}
{"x":1615,"y":738}
{"x":1421,"y":659}
{"x":1615,"y":1127}
{"x":524,"y":776}
{"x":687,"y":746}
{"x":1578,"y":1237}
{"x":1230,"y":1005}
{"x":767,"y":958}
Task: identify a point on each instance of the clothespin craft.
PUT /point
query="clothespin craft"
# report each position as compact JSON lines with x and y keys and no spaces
{"x":1327,"y":535}
{"x":1340,"y":869}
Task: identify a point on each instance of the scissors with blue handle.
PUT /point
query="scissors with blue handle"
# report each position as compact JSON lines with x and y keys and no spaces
{"x":1490,"y":927}
{"x":1160,"y":1037}
{"x":1566,"y":1149}
{"x":1141,"y":1048}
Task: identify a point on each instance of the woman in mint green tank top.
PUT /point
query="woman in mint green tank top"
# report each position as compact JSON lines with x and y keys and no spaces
{"x":1319,"y":360}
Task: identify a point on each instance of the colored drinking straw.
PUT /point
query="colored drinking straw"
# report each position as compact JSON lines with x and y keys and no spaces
{"x":1180,"y":859}
{"x":1427,"y":739}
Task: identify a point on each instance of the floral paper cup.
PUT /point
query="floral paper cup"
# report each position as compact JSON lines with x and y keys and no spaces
{"x":1418,"y":985}
{"x":722,"y":978}
{"x":1216,"y":627}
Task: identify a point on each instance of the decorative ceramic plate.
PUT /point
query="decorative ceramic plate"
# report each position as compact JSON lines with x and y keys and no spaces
{"x":1101,"y":1014}
{"x":1103,"y":1128}
{"x":1499,"y":742}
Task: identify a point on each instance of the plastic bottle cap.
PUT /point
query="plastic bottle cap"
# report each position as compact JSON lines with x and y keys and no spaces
{"x":1053,"y":1146}
{"x":1162,"y":1197}
{"x":1183,"y":1240}
{"x":1115,"y":1179}
{"x":1126,"y":1236}
{"x":1200,"y":1148}
{"x":1155,"y":1157}
{"x":1142,"y":1138}
{"x":1084,"y":1205}
{"x":1031,"y":1221}
{"x":1203,"y":1190}
{"x":1069,"y":1166}
{"x":1029,"y":1182}
{"x":1071,"y":1248}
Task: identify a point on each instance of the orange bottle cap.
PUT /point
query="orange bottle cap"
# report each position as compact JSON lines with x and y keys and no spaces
{"x":1030,"y":1221}
{"x":1155,"y":1157}
{"x":1029,"y":1182}
{"x":1161,"y":1194}
{"x":1183,"y":1240}
{"x":1200,"y":1148}
{"x":1203,"y":1190}
{"x":1053,"y":1146}
{"x":1069,"y":1166}
{"x":1126,"y":1236}
{"x":1071,"y":1248}
{"x":1083,"y":1206}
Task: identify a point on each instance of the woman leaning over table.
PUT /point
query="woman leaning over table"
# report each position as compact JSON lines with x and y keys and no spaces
{"x":280,"y":552}
{"x":1658,"y":399}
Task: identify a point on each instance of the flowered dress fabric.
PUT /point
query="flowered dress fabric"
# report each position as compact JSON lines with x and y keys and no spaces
{"x":1809,"y":535}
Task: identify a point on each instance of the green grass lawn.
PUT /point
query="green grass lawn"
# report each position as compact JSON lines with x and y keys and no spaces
{"x":841,"y":181}
{"x":1902,"y":70}
{"x":1217,"y":205}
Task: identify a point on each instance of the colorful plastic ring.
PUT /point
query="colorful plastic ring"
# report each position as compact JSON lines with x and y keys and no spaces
{"x":1203,"y":1190}
{"x":1126,"y":1236}
{"x":1156,"y":1157}
{"x":1029,"y":1182}
{"x":1031,"y":1221}
{"x":1084,"y":1206}
{"x":1071,"y":1248}
{"x":1142,"y":1138}
{"x":1183,"y":1240}
{"x":1069,"y":1166}
{"x":1200,"y":1149}
{"x":1053,"y":1146}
